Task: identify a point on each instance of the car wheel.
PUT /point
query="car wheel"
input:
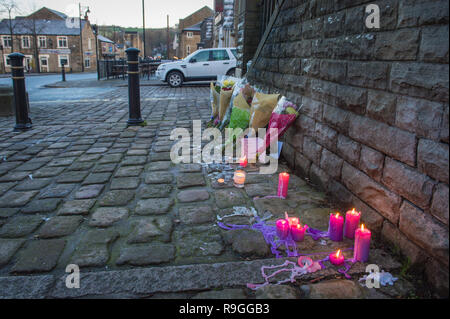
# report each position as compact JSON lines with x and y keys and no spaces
{"x":175,"y":79}
{"x":232,"y":72}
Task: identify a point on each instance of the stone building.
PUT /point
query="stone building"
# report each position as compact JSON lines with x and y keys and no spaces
{"x":224,"y":26}
{"x":189,"y":31}
{"x":374,"y":127}
{"x":47,"y":38}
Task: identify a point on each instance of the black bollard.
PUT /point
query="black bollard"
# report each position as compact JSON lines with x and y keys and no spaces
{"x":134,"y":94}
{"x":63,"y":71}
{"x":23,"y":122}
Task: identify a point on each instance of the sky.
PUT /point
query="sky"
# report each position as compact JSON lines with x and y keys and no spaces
{"x":121,"y":13}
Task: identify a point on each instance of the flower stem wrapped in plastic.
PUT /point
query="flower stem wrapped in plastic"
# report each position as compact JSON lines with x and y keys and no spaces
{"x":283,"y":116}
{"x":225,"y":97}
{"x":214,"y":96}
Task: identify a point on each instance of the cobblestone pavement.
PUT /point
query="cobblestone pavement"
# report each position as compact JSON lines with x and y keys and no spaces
{"x":82,"y":188}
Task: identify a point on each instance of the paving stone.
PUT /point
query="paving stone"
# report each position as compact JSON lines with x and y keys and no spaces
{"x":277,"y":292}
{"x":200,"y":241}
{"x":14,"y":177}
{"x":104,"y":168}
{"x":81,"y":166}
{"x":229,"y":294}
{"x":154,"y":206}
{"x":190,"y":168}
{"x":41,"y":206}
{"x":155,"y":191}
{"x":59,"y":145}
{"x":107,"y":216}
{"x":153,"y":254}
{"x":137,"y":152}
{"x":89,"y":191}
{"x":159,"y":178}
{"x":196,"y":215}
{"x":60,"y":226}
{"x":134,"y":160}
{"x":190,"y":180}
{"x":91,"y":256}
{"x":4,"y":187}
{"x":129,"y":171}
{"x":8,"y":247}
{"x":31,"y":185}
{"x":189,"y":196}
{"x":57,"y":191}
{"x":97,"y":178}
{"x":77,"y":207}
{"x":48,"y":172}
{"x":229,"y":198}
{"x":99,"y":236}
{"x":333,"y":289}
{"x":26,"y":287}
{"x":247,"y":242}
{"x":58,"y":162}
{"x":30,"y":166}
{"x":260,"y":190}
{"x":16,"y":199}
{"x":275,"y":206}
{"x":8,"y":212}
{"x":125,"y":183}
{"x":89,"y":158}
{"x":159,"y":157}
{"x":159,"y":166}
{"x":39,"y":256}
{"x":71,"y":177}
{"x":151,"y":228}
{"x":98,"y":150}
{"x":110,"y":158}
{"x":161,"y":148}
{"x":117,"y":198}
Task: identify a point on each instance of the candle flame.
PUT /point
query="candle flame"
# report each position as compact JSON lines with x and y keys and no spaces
{"x":362,"y":227}
{"x":337,"y":215}
{"x":338,"y":253}
{"x":354,"y":211}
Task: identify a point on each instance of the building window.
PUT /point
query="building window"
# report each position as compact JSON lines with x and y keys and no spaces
{"x":89,"y":44}
{"x":62,"y":43}
{"x":65,"y":59}
{"x":190,"y":35}
{"x":7,"y":61}
{"x":87,"y":62}
{"x":7,"y":43}
{"x":25,"y":42}
{"x":188,"y":49}
{"x":42,"y":42}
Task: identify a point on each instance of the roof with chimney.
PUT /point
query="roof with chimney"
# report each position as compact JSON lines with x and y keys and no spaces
{"x":43,"y":27}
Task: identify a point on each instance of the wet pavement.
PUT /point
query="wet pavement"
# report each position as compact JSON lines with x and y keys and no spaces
{"x":82,"y":188}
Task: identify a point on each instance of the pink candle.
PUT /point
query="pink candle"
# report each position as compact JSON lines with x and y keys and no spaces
{"x":336,"y":228}
{"x":362,"y":244}
{"x":352,"y":219}
{"x":337,"y":258}
{"x":298,"y":232}
{"x":283,"y":184}
{"x":282,"y":228}
{"x":243,"y":162}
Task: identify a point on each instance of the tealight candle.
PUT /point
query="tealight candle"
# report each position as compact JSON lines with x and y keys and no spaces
{"x":298,"y":232}
{"x":336,"y":228}
{"x":352,"y":219}
{"x":362,"y":244}
{"x":221,"y":181}
{"x":337,"y":258}
{"x":239,"y":179}
{"x":243,"y":162}
{"x":283,"y":185}
{"x":282,"y":228}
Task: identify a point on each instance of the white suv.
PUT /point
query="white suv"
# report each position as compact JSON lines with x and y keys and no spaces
{"x":202,"y":65}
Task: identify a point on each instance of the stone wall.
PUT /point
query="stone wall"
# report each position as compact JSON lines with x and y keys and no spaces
{"x":373,"y":131}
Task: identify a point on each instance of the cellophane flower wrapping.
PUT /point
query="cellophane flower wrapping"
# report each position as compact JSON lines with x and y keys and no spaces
{"x":239,"y":85}
{"x":283,"y":116}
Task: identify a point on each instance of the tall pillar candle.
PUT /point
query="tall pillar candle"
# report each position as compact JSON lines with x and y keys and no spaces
{"x":336,"y":227}
{"x":362,"y":244}
{"x":283,"y":185}
{"x":352,"y":219}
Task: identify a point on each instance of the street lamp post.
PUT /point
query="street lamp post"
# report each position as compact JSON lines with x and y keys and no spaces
{"x":81,"y":34}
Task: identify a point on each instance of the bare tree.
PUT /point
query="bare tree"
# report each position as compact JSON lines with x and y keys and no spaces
{"x":34,"y":27}
{"x":9,"y":7}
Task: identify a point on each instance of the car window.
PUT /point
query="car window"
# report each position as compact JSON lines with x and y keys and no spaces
{"x":219,"y":55}
{"x":201,"y":56}
{"x":234,"y":51}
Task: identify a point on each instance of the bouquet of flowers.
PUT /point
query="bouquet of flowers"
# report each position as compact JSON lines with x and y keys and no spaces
{"x":283,"y":116}
{"x":225,"y":97}
{"x":214,"y":96}
{"x":261,"y":110}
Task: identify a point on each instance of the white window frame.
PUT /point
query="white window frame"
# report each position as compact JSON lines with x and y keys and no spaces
{"x":66,"y":40}
{"x":6,"y":61}
{"x":6,"y":38}
{"x":22,"y":41}
{"x":47,"y":57}
{"x":67,"y":58}
{"x":87,"y":58}
{"x":190,"y":34}
{"x":44,"y":39}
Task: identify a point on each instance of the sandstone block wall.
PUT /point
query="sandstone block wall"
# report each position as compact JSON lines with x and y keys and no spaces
{"x":374,"y":128}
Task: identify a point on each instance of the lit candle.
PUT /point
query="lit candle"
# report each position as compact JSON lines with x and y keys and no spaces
{"x":337,"y":258}
{"x":221,"y":181}
{"x":243,"y":162}
{"x":239,"y":179}
{"x":282,"y":228}
{"x":352,"y":219}
{"x":362,"y":244}
{"x":293,"y":221}
{"x":298,"y":232}
{"x":283,"y":185}
{"x":336,"y":228}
